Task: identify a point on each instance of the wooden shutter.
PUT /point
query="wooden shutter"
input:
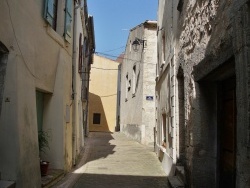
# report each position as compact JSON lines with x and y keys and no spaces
{"x":49,"y":11}
{"x":68,"y":20}
{"x":80,"y":54}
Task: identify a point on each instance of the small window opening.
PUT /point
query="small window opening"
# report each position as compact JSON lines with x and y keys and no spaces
{"x":96,"y":118}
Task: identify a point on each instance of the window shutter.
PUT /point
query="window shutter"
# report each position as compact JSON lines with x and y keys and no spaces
{"x":68,"y":20}
{"x":48,"y":11}
{"x":80,"y":54}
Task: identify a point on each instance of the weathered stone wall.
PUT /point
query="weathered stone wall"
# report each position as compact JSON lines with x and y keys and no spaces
{"x":210,"y":34}
{"x":3,"y":66}
{"x":149,"y":72}
{"x":166,"y":106}
{"x":241,"y":43}
{"x":136,"y":112}
{"x":206,"y":42}
{"x":205,"y":32}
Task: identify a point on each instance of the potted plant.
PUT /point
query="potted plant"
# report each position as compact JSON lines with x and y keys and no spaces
{"x":43,"y":140}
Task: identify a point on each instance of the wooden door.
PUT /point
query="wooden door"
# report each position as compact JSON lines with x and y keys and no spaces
{"x":39,"y":109}
{"x":227,"y":134}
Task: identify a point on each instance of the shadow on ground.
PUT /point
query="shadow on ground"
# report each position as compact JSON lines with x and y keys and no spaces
{"x":94,"y":149}
{"x":99,"y":147}
{"x":120,"y":181}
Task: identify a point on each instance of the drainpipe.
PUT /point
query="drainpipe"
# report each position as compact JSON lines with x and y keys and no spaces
{"x":74,"y":74}
{"x":87,"y":104}
{"x":173,"y":72}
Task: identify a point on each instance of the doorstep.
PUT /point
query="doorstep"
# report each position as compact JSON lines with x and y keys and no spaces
{"x":7,"y":184}
{"x":53,"y":176}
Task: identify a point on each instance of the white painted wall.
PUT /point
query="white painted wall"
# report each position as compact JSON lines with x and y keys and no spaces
{"x":137,"y":113}
{"x":39,"y":59}
{"x":166,"y":84}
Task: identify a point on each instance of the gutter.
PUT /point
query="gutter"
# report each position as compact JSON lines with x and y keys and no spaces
{"x":74,"y":94}
{"x":91,"y":33}
{"x":91,"y":37}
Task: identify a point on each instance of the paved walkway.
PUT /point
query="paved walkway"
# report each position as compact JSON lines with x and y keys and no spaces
{"x":114,"y":161}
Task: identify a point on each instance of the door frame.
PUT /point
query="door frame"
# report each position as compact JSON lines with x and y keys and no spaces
{"x":220,"y":92}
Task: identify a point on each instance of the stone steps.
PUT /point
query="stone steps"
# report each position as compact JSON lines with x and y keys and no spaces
{"x":175,"y":182}
{"x":54,"y":176}
{"x":180,"y":172}
{"x":7,"y":184}
{"x":178,"y":181}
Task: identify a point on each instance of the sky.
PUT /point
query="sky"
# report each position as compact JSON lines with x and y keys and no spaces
{"x":114,"y":18}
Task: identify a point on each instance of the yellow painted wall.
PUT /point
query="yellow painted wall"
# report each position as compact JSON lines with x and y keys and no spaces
{"x":103,"y":94}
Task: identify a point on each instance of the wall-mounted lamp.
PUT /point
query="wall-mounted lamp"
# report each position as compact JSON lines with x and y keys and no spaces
{"x":136,"y":44}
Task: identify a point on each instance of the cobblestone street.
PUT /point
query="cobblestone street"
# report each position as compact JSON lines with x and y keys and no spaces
{"x":113,"y":161}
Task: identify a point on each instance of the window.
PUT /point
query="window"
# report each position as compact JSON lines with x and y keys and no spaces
{"x":134,"y":80}
{"x":80,"y":54}
{"x":84,"y":92}
{"x":50,"y":13}
{"x":164,"y":130}
{"x":85,"y":46}
{"x":126,"y":89}
{"x":96,"y":118}
{"x":180,"y":5}
{"x":163,"y":49}
{"x":130,"y":46}
{"x":129,"y":85}
{"x":68,"y":20}
{"x":157,"y":66}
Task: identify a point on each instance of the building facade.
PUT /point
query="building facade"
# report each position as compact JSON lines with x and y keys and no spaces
{"x":203,"y":123}
{"x":40,"y":86}
{"x":137,"y":95}
{"x":168,"y":137}
{"x":103,"y":95}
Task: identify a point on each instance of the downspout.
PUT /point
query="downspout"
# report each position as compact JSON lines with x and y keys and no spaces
{"x":87,"y":105}
{"x":90,"y":61}
{"x":173,"y":73}
{"x":74,"y":94}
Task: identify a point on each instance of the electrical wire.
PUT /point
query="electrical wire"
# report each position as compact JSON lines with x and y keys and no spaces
{"x":113,"y":49}
{"x":102,"y":68}
{"x":12,"y":26}
{"x":108,"y":95}
{"x":109,"y":55}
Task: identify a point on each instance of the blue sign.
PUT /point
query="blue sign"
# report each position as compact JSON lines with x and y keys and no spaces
{"x":149,"y":98}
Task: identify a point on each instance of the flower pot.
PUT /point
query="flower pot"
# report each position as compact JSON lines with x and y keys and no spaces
{"x":44,"y":166}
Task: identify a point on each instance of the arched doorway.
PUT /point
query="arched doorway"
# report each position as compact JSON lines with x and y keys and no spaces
{"x":3,"y":65}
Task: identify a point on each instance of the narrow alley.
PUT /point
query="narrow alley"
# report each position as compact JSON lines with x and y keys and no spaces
{"x":112,"y":160}
{"x":124,"y":94}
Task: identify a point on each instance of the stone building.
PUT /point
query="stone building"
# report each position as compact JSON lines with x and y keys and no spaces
{"x":45,"y":47}
{"x":137,"y":97}
{"x":118,"y":99}
{"x":205,"y":46}
{"x":103,"y":95}
{"x":167,"y":124}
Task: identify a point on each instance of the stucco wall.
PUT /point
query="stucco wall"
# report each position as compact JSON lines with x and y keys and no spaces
{"x":103,"y":93}
{"x":137,"y":113}
{"x":166,"y":104}
{"x":39,"y":59}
